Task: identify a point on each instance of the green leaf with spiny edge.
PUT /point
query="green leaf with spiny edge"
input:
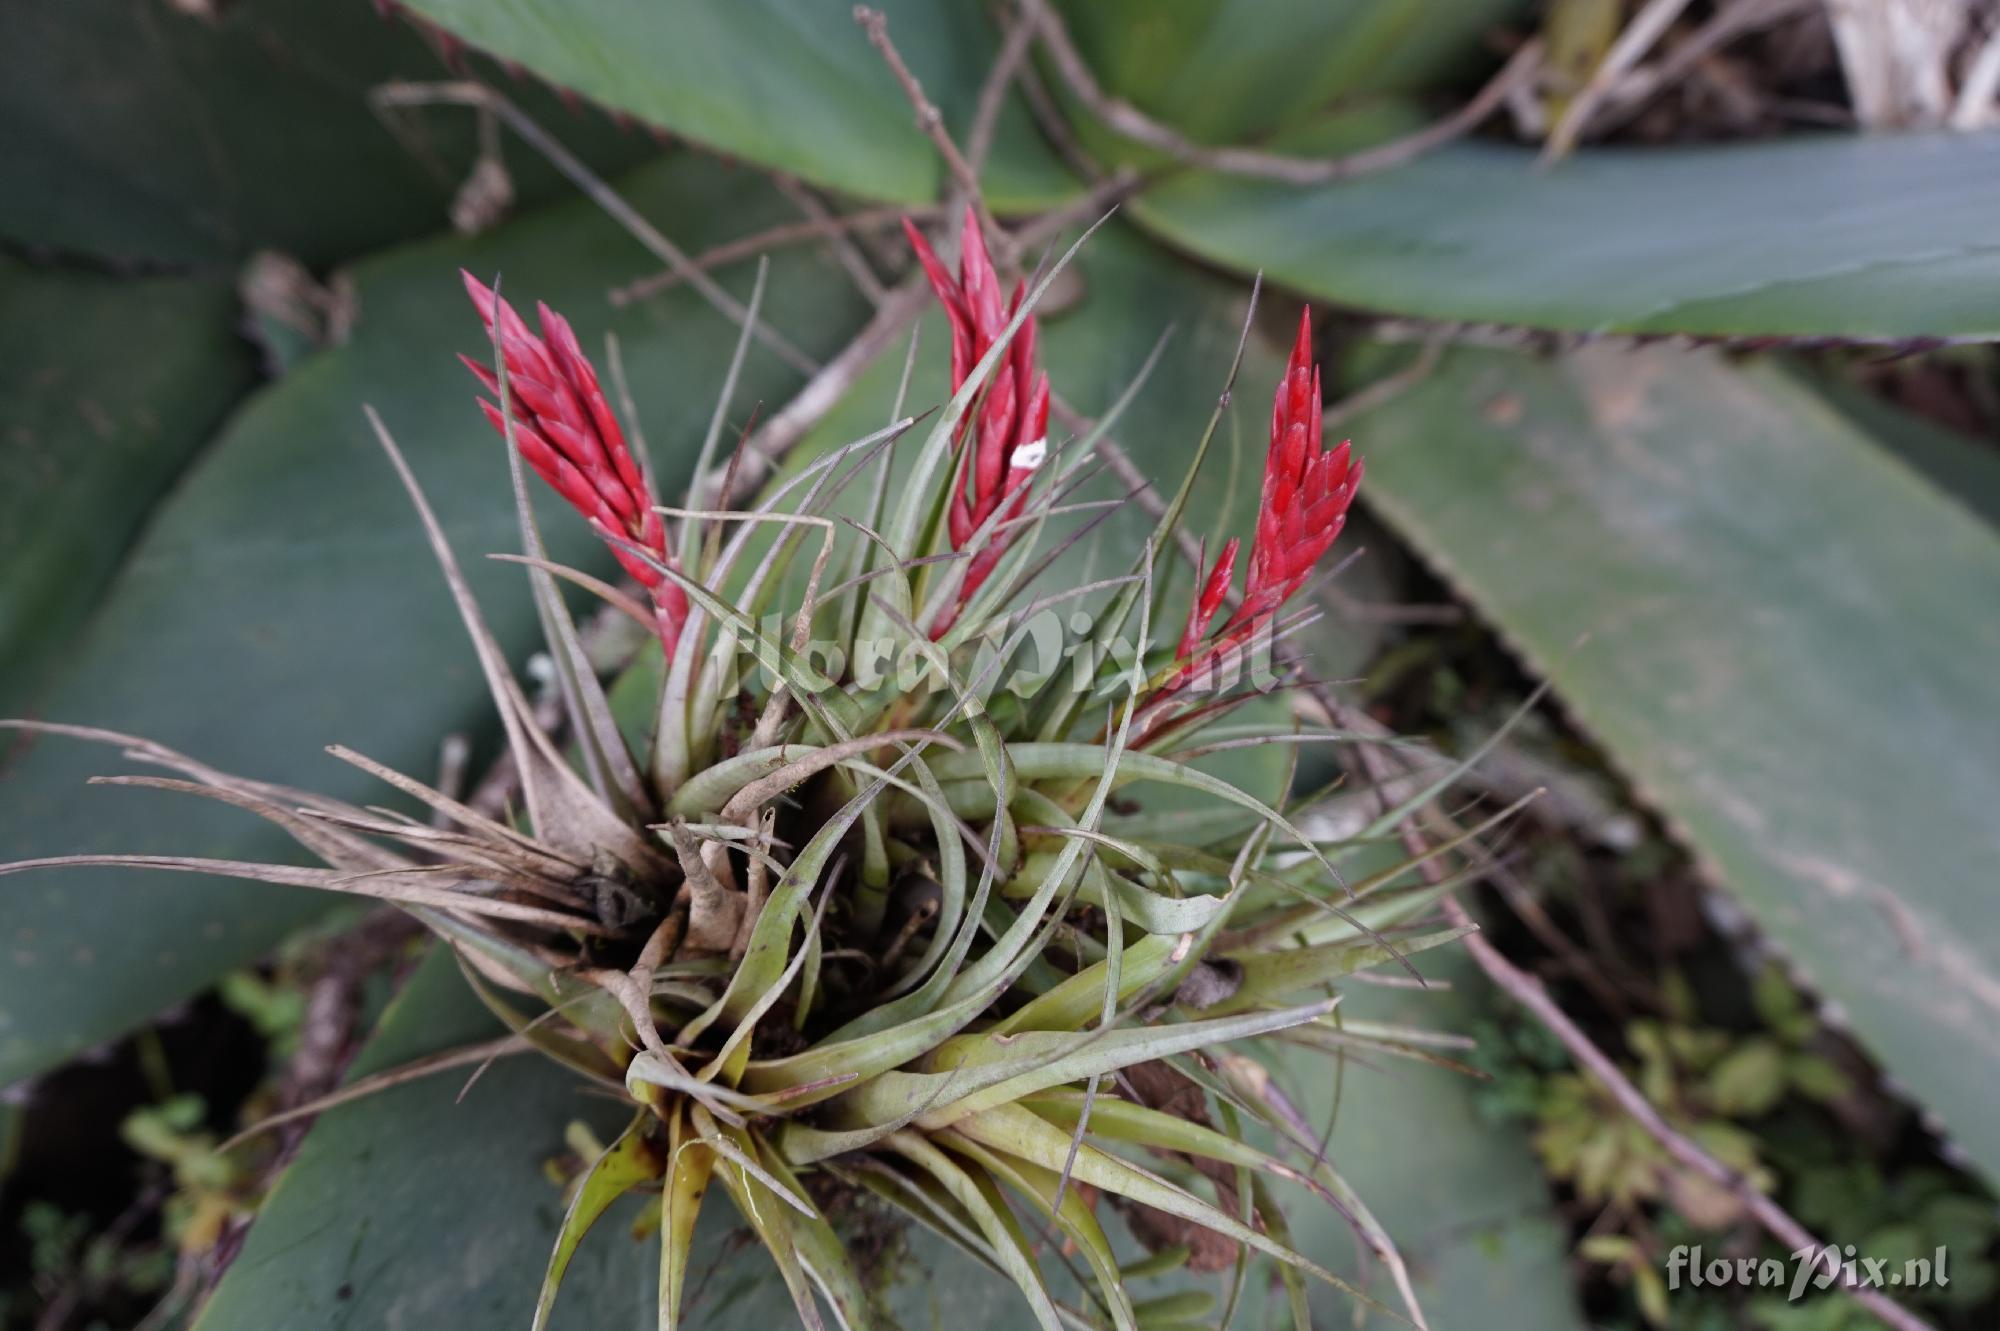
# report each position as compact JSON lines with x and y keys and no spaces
{"x":244,"y":595}
{"x":1702,"y":240}
{"x":1837,"y":776}
{"x":1965,"y":467}
{"x":793,"y":85}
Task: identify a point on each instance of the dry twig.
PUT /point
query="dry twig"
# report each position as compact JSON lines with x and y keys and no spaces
{"x":478,"y":95}
{"x":929,"y":119}
{"x":1135,"y":124}
{"x":1636,"y":90}
{"x":850,"y":259}
{"x":830,"y":228}
{"x":1646,"y":28}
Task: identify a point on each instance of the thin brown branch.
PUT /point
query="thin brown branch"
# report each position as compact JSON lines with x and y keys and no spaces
{"x":1135,"y":124}
{"x":993,"y":93}
{"x":929,"y":119}
{"x":1055,"y":126}
{"x":762,"y":242}
{"x":383,"y":1081}
{"x":851,"y":260}
{"x":1632,"y":93}
{"x":478,"y":95}
{"x":1639,"y":36}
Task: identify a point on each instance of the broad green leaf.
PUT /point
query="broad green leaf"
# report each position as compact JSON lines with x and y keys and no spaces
{"x":1968,"y":469}
{"x":111,"y":386}
{"x":1789,"y":652}
{"x":284,"y":598}
{"x":789,"y":84}
{"x":1883,"y":237}
{"x":1233,"y":71}
{"x":132,"y":129}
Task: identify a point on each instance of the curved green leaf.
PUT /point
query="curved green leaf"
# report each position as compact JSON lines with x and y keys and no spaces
{"x":1234,"y":71}
{"x":284,"y":598}
{"x":1461,"y":1195}
{"x":1827,"y":236}
{"x":416,"y":1207}
{"x":788,"y":84}
{"x":626,"y":1164}
{"x":1790,"y":651}
{"x":137,"y":130}
{"x":111,"y":386}
{"x":1968,"y":469}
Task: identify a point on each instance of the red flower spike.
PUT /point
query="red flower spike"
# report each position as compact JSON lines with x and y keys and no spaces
{"x":1306,"y":494}
{"x":569,"y":437}
{"x":1012,"y":414}
{"x":1209,"y":599}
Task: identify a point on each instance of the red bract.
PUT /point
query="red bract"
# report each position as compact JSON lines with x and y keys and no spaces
{"x":1307,"y":492}
{"x":1208,"y":600}
{"x":1011,"y":419}
{"x":569,"y":436}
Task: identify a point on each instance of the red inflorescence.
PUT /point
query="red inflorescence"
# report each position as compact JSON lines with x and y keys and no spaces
{"x":1307,"y":492}
{"x":569,"y":436}
{"x":1013,"y":419}
{"x":1209,"y":599}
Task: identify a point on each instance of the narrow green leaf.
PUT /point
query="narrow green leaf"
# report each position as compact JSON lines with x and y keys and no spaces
{"x":630,"y":1161}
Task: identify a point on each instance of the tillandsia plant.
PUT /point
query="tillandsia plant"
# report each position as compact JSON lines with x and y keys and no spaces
{"x":854,"y":929}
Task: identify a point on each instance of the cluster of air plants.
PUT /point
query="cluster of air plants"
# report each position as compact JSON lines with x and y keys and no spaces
{"x":883,"y":926}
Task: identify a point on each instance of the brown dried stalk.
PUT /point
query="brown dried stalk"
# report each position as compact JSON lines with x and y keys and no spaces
{"x":1135,"y":124}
